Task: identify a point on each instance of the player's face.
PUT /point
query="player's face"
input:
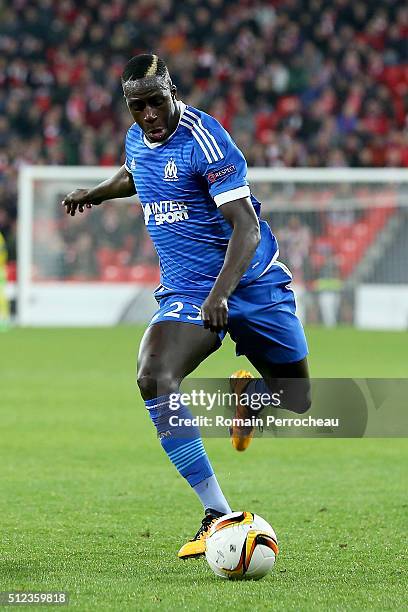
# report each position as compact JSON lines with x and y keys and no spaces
{"x":152,"y":104}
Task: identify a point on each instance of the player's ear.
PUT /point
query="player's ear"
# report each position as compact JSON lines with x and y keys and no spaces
{"x":173,"y":91}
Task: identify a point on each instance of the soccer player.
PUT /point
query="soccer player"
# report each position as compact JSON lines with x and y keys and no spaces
{"x":219,"y":270}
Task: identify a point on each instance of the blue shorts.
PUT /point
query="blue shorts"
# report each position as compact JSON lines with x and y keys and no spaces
{"x":262,"y":318}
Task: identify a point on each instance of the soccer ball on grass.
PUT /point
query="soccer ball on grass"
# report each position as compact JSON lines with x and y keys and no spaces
{"x":240,"y":546}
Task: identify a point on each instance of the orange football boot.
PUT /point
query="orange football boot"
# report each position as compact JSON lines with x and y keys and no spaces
{"x":241,"y":435}
{"x":196,"y":546}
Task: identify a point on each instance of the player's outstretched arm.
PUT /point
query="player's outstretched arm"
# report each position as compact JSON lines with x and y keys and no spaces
{"x":120,"y":185}
{"x":242,"y":245}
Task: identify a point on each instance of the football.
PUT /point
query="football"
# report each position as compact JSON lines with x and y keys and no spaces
{"x":241,"y":546}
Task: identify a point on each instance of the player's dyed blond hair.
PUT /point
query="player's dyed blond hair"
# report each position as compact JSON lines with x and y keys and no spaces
{"x":144,"y":65}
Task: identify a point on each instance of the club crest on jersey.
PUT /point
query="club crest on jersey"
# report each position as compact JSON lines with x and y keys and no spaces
{"x":133,"y":164}
{"x":170,"y":171}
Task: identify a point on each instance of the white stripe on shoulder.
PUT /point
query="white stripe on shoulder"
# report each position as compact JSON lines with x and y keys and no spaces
{"x":200,"y":123}
{"x":203,"y":136}
{"x":200,"y":142}
{"x":231,"y":195}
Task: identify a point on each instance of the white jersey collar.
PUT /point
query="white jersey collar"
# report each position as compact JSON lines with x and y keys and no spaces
{"x":153,"y":145}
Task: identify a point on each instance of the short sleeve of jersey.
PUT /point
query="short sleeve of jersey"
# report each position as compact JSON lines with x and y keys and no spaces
{"x":129,"y":161}
{"x":217,"y":159}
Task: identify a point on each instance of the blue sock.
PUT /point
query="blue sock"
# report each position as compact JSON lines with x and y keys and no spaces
{"x":185,"y":449}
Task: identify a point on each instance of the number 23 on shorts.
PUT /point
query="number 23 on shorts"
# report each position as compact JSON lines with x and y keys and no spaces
{"x":178,"y":310}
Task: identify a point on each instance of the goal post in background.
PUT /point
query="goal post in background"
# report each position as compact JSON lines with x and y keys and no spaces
{"x":343,"y":233}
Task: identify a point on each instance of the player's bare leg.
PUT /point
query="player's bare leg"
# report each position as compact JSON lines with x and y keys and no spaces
{"x":290,"y":380}
{"x":168,"y":353}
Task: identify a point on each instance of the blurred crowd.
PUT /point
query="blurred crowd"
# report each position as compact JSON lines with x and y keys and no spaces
{"x":296,"y":82}
{"x":109,"y":243}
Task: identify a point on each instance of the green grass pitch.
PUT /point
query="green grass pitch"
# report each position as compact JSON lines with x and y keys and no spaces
{"x":89,"y":503}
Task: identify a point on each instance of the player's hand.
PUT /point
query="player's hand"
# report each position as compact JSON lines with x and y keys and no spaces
{"x":214,"y":313}
{"x":77,"y":200}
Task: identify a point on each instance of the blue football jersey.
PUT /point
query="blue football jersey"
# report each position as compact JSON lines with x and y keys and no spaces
{"x":181,"y":184}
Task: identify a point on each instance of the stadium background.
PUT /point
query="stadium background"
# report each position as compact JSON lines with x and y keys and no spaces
{"x":298,"y":84}
{"x":88,"y":503}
